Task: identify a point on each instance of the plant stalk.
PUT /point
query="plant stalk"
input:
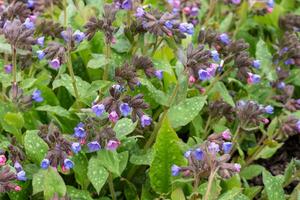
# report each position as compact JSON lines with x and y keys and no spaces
{"x":106,"y":67}
{"x":65,"y":12}
{"x":210,"y":181}
{"x":70,"y":68}
{"x":111,"y":186}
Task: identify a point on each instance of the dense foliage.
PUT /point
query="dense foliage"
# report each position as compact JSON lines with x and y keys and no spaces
{"x":175,"y":99}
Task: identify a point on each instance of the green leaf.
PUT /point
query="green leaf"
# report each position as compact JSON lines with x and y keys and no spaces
{"x":219,"y":91}
{"x":35,"y":147}
{"x":166,"y":153}
{"x":80,"y":169}
{"x":142,"y":158}
{"x":232,"y":194}
{"x":57,"y":110}
{"x":269,"y":151}
{"x":97,"y":174}
{"x":159,"y":96}
{"x":215,"y":190}
{"x":97,"y":61}
{"x":265,"y":57}
{"x":124,"y":127}
{"x":272,"y":127}
{"x":251,"y":171}
{"x":76,"y":194}
{"x":123,"y":157}
{"x":130,"y":190}
{"x":251,"y":192}
{"x":177,"y":194}
{"x":53,"y":183}
{"x":14,"y":119}
{"x":110,"y":160}
{"x":184,"y":112}
{"x":289,"y":171}
{"x":225,"y":24}
{"x":273,"y":186}
{"x":38,"y":181}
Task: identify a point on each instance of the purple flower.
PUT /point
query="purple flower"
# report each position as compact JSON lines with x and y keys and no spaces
{"x":113,"y":116}
{"x":298,"y":125}
{"x":224,"y":38}
{"x":40,"y":41}
{"x":215,"y":55}
{"x":29,"y":24}
{"x":213,"y":148}
{"x":145,"y":121}
{"x":37,"y":96}
{"x":226,"y":135}
{"x":79,"y":131}
{"x":204,"y":75}
{"x":76,"y":147}
{"x":65,"y":36}
{"x":18,"y":166}
{"x":175,"y":170}
{"x":139,"y":12}
{"x":256,"y":64}
{"x":237,"y":167}
{"x":227,"y":146}
{"x":21,"y":175}
{"x":78,"y":36}
{"x":281,"y":85}
{"x":98,"y":109}
{"x":186,"y":28}
{"x":253,"y":78}
{"x":236,"y":2}
{"x":169,"y":24}
{"x":269,"y":109}
{"x":68,"y":164}
{"x":125,"y":109}
{"x":40,"y":54}
{"x":30,"y":4}
{"x":113,"y":145}
{"x":127,"y":5}
{"x":198,"y":153}
{"x":298,"y":101}
{"x":194,"y":11}
{"x":8,"y":68}
{"x":187,"y":153}
{"x":159,"y":74}
{"x":55,"y":63}
{"x":45,"y":163}
{"x":93,"y":146}
{"x":283,"y":51}
{"x":270,"y":3}
{"x":290,"y":61}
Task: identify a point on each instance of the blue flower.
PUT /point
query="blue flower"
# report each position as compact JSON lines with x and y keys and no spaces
{"x":256,"y":64}
{"x":215,"y":55}
{"x":270,"y":3}
{"x":175,"y":170}
{"x":40,"y":41}
{"x":224,"y":38}
{"x":253,"y":78}
{"x":289,"y":61}
{"x":18,"y":166}
{"x":145,"y":121}
{"x":186,"y":28}
{"x":79,"y":131}
{"x":169,"y":24}
{"x":269,"y":109}
{"x":68,"y":164}
{"x":125,"y":109}
{"x":30,"y":4}
{"x":139,"y":12}
{"x":29,"y":24}
{"x":204,"y":75}
{"x":187,"y":153}
{"x":40,"y":54}
{"x":65,"y":36}
{"x":21,"y":175}
{"x":93,"y":146}
{"x":98,"y":109}
{"x":198,"y":153}
{"x":127,"y":4}
{"x":298,"y":126}
{"x":76,"y":147}
{"x":55,"y":63}
{"x":78,"y":36}
{"x":227,"y":146}
{"x":213,"y":148}
{"x":45,"y":163}
{"x":37,"y":96}
{"x":159,"y":74}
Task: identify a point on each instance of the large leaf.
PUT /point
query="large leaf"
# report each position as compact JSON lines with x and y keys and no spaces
{"x":166,"y":153}
{"x":35,"y":147}
{"x":251,"y":171}
{"x":110,"y":160}
{"x":124,"y":127}
{"x":219,"y":91}
{"x":265,"y":57}
{"x":231,"y":194}
{"x":273,"y":186}
{"x":53,"y":183}
{"x":77,"y":194}
{"x":81,"y":169}
{"x":38,"y":181}
{"x":57,"y":110}
{"x":97,"y":61}
{"x":184,"y":112}
{"x":97,"y":174}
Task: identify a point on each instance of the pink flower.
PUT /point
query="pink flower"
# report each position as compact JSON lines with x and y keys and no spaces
{"x":226,"y":135}
{"x":2,"y":160}
{"x":192,"y":79}
{"x":113,"y":116}
{"x":18,"y":188}
{"x":113,"y":145}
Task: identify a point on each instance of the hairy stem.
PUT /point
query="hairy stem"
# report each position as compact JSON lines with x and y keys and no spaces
{"x":70,"y":68}
{"x":210,"y":181}
{"x":14,"y":60}
{"x":65,"y":12}
{"x":106,"y":67}
{"x":111,"y":186}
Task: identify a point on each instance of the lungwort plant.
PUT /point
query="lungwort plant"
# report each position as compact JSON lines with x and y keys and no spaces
{"x":143,"y":99}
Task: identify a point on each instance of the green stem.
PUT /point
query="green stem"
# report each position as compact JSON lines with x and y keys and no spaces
{"x":216,"y":79}
{"x":111,"y":186}
{"x":106,"y":67}
{"x":65,"y":12}
{"x":70,"y":68}
{"x":14,"y":60}
{"x":210,"y":181}
{"x":206,"y":129}
{"x":212,"y":5}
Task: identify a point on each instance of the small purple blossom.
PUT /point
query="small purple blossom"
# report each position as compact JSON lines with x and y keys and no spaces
{"x":186,"y":28}
{"x":204,"y":75}
{"x":40,"y":54}
{"x":270,"y":3}
{"x":227,"y":146}
{"x":30,"y":4}
{"x":194,"y":11}
{"x":45,"y":163}
{"x":65,"y":36}
{"x":159,"y":74}
{"x":175,"y":170}
{"x":125,"y":109}
{"x":298,"y":125}
{"x":112,"y":145}
{"x":21,"y":175}
{"x":215,"y":56}
{"x":79,"y":131}
{"x":8,"y":68}
{"x":29,"y":24}
{"x":169,"y":24}
{"x":236,"y":2}
{"x":68,"y":164}
{"x":78,"y":36}
{"x":127,"y":5}
{"x":37,"y":96}
{"x":253,"y":78}
{"x":98,"y":109}
{"x":269,"y":109}
{"x":198,"y":153}
{"x":94,"y":146}
{"x":289,"y":61}
{"x":55,"y":63}
{"x":226,"y":135}
{"x":139,"y":12}
{"x":145,"y":121}
{"x":18,"y":166}
{"x":76,"y":147}
{"x":224,"y":38}
{"x":40,"y":41}
{"x":213,"y":148}
{"x":281,"y":85}
{"x":113,"y":116}
{"x":237,"y":167}
{"x":256,"y":64}
{"x":187,"y":153}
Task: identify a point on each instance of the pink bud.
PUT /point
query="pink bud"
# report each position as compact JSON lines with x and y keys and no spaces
{"x":192,"y":79}
{"x":265,"y":121}
{"x":18,"y":188}
{"x":226,"y":135}
{"x":186,"y":172}
{"x":186,"y":10}
{"x":202,"y":90}
{"x":82,"y":141}
{"x":170,"y":34}
{"x":237,"y":167}
{"x":113,"y":144}
{"x":113,"y":116}
{"x":64,"y":169}
{"x":269,"y":10}
{"x":2,"y":160}
{"x":113,"y":40}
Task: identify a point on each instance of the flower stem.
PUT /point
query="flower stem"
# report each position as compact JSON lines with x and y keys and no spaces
{"x":111,"y":186}
{"x":106,"y":67}
{"x":14,"y":60}
{"x":210,"y":181}
{"x":70,"y":68}
{"x":65,"y":12}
